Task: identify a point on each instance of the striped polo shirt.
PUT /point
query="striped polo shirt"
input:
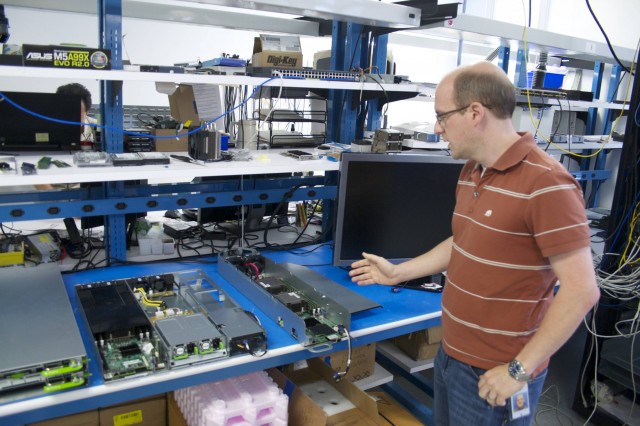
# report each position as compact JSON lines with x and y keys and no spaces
{"x":507,"y":222}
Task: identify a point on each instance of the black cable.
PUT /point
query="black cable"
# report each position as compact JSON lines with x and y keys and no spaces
{"x":386,"y":95}
{"x":302,"y":253}
{"x":607,"y":39}
{"x":615,"y":92}
{"x":308,"y":222}
{"x":283,"y":202}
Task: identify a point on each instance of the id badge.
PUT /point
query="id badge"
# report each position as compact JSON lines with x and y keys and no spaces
{"x":519,"y":403}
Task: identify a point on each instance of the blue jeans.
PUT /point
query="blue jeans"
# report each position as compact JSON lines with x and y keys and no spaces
{"x":456,"y":400}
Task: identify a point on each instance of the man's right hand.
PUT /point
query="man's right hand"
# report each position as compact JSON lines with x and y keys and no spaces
{"x":373,"y":270}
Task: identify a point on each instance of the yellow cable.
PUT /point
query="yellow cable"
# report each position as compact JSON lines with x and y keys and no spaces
{"x":615,"y":123}
{"x":632,"y":226}
{"x":146,"y":301}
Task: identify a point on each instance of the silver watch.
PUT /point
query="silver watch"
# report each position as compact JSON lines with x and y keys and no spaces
{"x":517,"y":371}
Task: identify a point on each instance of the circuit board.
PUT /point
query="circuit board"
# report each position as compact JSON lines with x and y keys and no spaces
{"x":145,"y":324}
{"x":318,"y":328}
{"x":123,"y":335}
{"x":299,"y":300}
{"x":126,"y":356}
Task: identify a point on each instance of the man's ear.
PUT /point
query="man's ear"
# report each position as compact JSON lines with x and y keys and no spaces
{"x":478,"y":110}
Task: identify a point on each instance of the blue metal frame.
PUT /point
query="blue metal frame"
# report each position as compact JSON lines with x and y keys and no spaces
{"x":587,"y":175}
{"x":521,"y":69}
{"x":596,"y":85}
{"x":374,"y":115}
{"x":614,"y":81}
{"x":346,"y":53}
{"x":410,"y":402}
{"x":590,"y":128}
{"x":143,"y":198}
{"x":503,"y":58}
{"x":405,"y":397}
{"x":110,"y":23}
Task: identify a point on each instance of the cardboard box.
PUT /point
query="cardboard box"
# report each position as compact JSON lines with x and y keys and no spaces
{"x":277,"y":51}
{"x":74,"y":57}
{"x":363,"y":361}
{"x":392,"y":412}
{"x":150,"y":411}
{"x":182,"y":103}
{"x":174,"y":415}
{"x":88,"y":418}
{"x":420,"y":345}
{"x":304,"y":411}
{"x":170,"y":144}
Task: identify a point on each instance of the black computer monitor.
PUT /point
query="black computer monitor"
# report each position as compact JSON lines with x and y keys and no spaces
{"x":20,"y":131}
{"x":95,"y":190}
{"x":231,"y":217}
{"x":397,"y":206}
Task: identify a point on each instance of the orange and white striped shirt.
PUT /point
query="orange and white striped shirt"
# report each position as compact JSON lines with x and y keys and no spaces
{"x":509,"y":219}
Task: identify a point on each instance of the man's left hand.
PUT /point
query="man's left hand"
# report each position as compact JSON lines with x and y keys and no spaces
{"x":496,"y":385}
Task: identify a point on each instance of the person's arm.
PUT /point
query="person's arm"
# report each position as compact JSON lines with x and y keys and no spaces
{"x":377,"y":270}
{"x":578,"y":292}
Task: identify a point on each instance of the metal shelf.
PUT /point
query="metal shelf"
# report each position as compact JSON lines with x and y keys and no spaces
{"x":498,"y":33}
{"x":224,"y":80}
{"x":379,"y":377}
{"x":264,"y":161}
{"x":258,"y":15}
{"x":401,"y":359}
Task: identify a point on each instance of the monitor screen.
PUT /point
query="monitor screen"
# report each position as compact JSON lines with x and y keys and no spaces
{"x":397,"y":206}
{"x":20,"y":131}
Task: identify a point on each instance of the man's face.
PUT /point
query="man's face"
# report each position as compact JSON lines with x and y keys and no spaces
{"x":520,"y":402}
{"x":451,"y":122}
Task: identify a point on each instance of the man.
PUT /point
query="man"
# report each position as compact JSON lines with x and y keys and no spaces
{"x":87,"y":136}
{"x":519,"y":223}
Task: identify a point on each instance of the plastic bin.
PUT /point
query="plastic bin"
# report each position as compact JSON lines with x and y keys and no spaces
{"x":248,"y":400}
{"x":551,"y":80}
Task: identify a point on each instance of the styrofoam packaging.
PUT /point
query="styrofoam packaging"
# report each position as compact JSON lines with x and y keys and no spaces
{"x":248,"y":400}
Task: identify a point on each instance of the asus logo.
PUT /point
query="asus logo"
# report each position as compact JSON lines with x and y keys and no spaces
{"x":37,"y":56}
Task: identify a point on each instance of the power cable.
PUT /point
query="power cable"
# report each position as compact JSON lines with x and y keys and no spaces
{"x":607,"y":40}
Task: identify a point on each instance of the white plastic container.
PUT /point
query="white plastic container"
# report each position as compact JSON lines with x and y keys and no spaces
{"x":249,"y":400}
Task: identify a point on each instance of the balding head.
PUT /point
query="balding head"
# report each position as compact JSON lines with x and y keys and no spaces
{"x":486,"y":83}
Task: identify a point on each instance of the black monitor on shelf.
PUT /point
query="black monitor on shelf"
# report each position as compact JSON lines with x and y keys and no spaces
{"x":254,"y":216}
{"x":89,"y":222}
{"x":21,"y":131}
{"x":396,"y":206}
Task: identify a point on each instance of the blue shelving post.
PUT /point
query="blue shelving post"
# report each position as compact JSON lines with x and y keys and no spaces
{"x":110,"y":23}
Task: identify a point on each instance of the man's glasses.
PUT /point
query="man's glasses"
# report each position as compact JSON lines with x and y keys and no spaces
{"x":440,"y":118}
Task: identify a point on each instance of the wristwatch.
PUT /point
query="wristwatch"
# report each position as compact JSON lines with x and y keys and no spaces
{"x":517,"y":371}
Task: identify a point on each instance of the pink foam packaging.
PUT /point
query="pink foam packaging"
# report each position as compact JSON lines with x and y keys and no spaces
{"x":249,"y":400}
